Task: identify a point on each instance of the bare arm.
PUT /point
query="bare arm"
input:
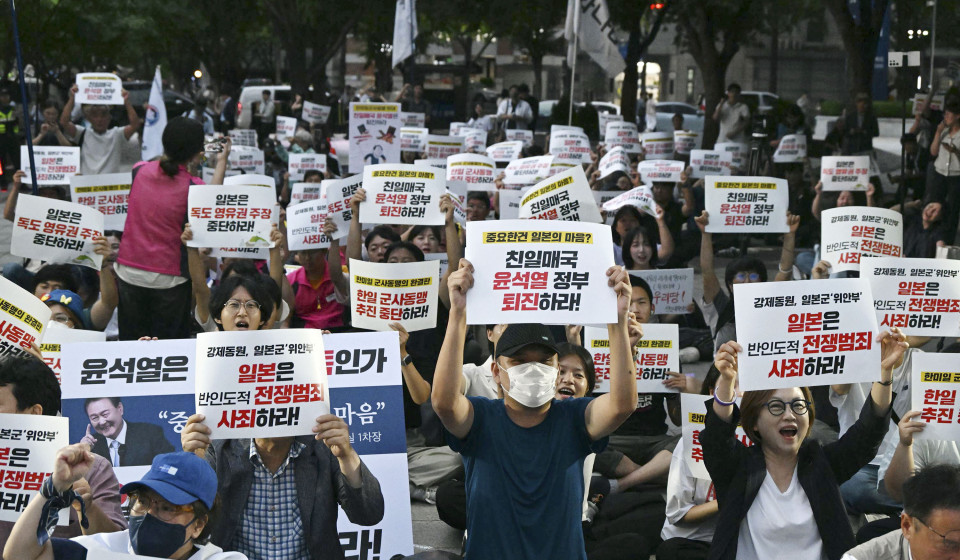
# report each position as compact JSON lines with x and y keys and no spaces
{"x":454,"y":247}
{"x":726,"y":361}
{"x":198,"y":277}
{"x":711,"y":286}
{"x":701,"y":512}
{"x":276,"y":256}
{"x":785,"y":270}
{"x":221,"y":170}
{"x":815,"y":207}
{"x":134,"y":125}
{"x":65,"y":122}
{"x":10,"y":207}
{"x":902,"y":464}
{"x":454,"y":409}
{"x":893,"y":344}
{"x":102,"y":310}
{"x":716,"y":110}
{"x":666,"y":238}
{"x":418,"y":387}
{"x":354,"y":235}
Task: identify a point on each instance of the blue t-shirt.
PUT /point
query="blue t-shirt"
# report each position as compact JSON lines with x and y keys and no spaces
{"x":525,"y":485}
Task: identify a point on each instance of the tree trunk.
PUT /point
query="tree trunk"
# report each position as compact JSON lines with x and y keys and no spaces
{"x":463,"y":97}
{"x":713,"y":78}
{"x":537,"y":61}
{"x":628,"y":92}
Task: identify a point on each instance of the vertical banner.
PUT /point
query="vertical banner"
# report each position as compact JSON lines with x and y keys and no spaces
{"x":299,"y":164}
{"x":305,"y":226}
{"x":136,"y":393}
{"x":23,"y":318}
{"x":373,"y":131}
{"x":624,"y":135}
{"x":616,"y":159}
{"x":528,"y":171}
{"x":107,"y":194}
{"x":442,"y":147}
{"x":230,"y":215}
{"x":658,"y":353}
{"x":710,"y":162}
{"x":685,"y":141}
{"x":55,"y":164}
{"x":339,"y":194}
{"x":540,"y":271}
{"x":566,"y":196}
{"x":99,"y":88}
{"x":476,"y":172}
{"x":384,"y":293}
{"x":850,"y":233}
{"x":56,"y":231}
{"x":505,"y":152}
{"x":570,"y":146}
{"x":672,"y":289}
{"x":261,"y":384}
{"x":746,"y":204}
{"x":822,"y":333}
{"x":845,"y":173}
{"x":792,"y":149}
{"x":413,"y":139}
{"x":694,"y":417}
{"x":402,"y":194}
{"x":920,"y":296}
{"x":57,"y":336}
{"x":314,"y":113}
{"x":933,"y":391}
{"x":657,"y":145}
{"x":660,"y":170}
{"x":28,"y":450}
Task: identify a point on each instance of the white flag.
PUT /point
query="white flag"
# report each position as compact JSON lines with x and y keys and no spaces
{"x":591,"y":20}
{"x":154,"y":121}
{"x":404,"y":30}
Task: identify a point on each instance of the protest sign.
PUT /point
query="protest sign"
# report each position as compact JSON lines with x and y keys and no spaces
{"x":684,"y":141}
{"x":384,"y":293}
{"x":528,"y":171}
{"x":710,"y":162}
{"x":442,"y":261}
{"x":516,"y":134}
{"x":845,"y":173}
{"x":402,"y":194}
{"x":305,"y":226}
{"x":570,"y":146}
{"x":314,"y":113}
{"x":474,"y":140}
{"x":738,"y":151}
{"x":694,"y":411}
{"x":458,"y":197}
{"x":248,"y":160}
{"x":455,"y":127}
{"x":256,"y":179}
{"x":261,"y":383}
{"x":510,"y":203}
{"x":56,"y":336}
{"x":822,"y":333}
{"x":657,"y":145}
{"x":602,"y":120}
{"x":99,"y":88}
{"x":505,"y":151}
{"x":475,"y":171}
{"x":641,"y":197}
{"x":792,"y":149}
{"x":373,"y":131}
{"x":440,"y":163}
{"x":29,"y":444}
{"x":601,"y":198}
{"x":339,"y":194}
{"x":366,"y":391}
{"x":302,"y":192}
{"x":206,"y":173}
{"x":107,"y":194}
{"x":851,"y":232}
{"x":920,"y":296}
{"x":243,"y":137}
{"x":933,"y":392}
{"x":540,"y":271}
{"x":658,"y":353}
{"x":254,"y":253}
{"x":230,"y":215}
{"x":286,"y":127}
{"x":442,"y":147}
{"x":23,"y":318}
{"x":299,"y":164}
{"x":746,"y":204}
{"x":662,"y":170}
{"x":56,"y":231}
{"x":55,"y":164}
{"x":146,"y":386}
{"x":616,"y":159}
{"x":672,"y":289}
{"x":565,"y":196}
{"x":623,"y":134}
{"x":413,"y":120}
{"x":920,"y":102}
{"x":413,"y":139}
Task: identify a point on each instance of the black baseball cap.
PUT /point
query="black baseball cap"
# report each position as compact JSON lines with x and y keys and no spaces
{"x":518,"y":336}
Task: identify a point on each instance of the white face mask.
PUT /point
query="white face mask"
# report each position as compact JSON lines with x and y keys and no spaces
{"x":532,"y":384}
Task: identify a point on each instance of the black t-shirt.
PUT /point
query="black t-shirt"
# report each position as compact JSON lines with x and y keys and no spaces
{"x":424,"y":347}
{"x":919,"y":243}
{"x":649,"y":419}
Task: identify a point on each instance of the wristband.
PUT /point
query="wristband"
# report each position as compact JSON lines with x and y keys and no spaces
{"x":55,"y":502}
{"x":885,"y":383}
{"x":722,"y":402}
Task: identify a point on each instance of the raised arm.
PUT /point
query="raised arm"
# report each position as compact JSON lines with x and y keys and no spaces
{"x":666,"y":238}
{"x":134,"y":119}
{"x":815,"y":206}
{"x":607,"y":412}
{"x":727,"y":363}
{"x":10,"y":207}
{"x":355,"y":235}
{"x":902,"y":464}
{"x":102,"y":310}
{"x":334,"y":262}
{"x":711,"y":286}
{"x":454,"y":247}
{"x":893,"y":344}
{"x":198,"y":277}
{"x":454,"y":409}
{"x":65,"y":122}
{"x":220,"y":171}
{"x":418,"y":387}
{"x":787,"y":255}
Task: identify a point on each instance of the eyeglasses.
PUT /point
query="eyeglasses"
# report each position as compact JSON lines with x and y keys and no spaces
{"x":250,"y":305}
{"x":143,"y":503}
{"x":63,"y":318}
{"x":778,"y":407}
{"x":944,"y":543}
{"x":743,"y":277}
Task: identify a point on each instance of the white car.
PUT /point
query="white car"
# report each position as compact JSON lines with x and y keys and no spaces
{"x":762,"y":102}
{"x":281,"y":96}
{"x":692,"y":116}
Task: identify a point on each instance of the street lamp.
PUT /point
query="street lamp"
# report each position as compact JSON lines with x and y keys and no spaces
{"x":933,"y":42}
{"x":197,"y":74}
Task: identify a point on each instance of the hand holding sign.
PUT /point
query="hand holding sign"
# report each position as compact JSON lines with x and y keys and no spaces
{"x":908,"y":427}
{"x":893,"y":344}
{"x":727,"y":362}
{"x":458,"y":283}
{"x":195,"y":437}
{"x":335,"y":434}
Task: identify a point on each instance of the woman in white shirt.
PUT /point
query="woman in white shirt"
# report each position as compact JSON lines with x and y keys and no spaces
{"x":945,"y":182}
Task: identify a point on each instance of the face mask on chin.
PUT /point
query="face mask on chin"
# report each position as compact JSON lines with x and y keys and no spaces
{"x":532,"y":384}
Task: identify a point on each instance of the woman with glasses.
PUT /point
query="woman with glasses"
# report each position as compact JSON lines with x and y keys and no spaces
{"x":783,"y":493}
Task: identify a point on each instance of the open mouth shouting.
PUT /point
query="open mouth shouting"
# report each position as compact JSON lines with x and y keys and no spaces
{"x":565,"y":393}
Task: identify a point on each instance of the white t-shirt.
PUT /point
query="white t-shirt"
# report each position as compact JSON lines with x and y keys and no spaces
{"x":120,"y":542}
{"x":683,"y":492}
{"x":479,"y":380}
{"x":730,"y":115}
{"x":777,"y":519}
{"x":109,"y":152}
{"x":926,"y":452}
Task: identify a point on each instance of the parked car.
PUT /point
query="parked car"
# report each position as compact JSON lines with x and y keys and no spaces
{"x":282,"y":97}
{"x":692,"y":116}
{"x":760,"y":102}
{"x":139,"y":93}
{"x":547,"y":106}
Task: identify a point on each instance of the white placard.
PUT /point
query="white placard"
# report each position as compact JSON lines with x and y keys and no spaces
{"x":458,"y":197}
{"x":442,"y":147}
{"x":413,"y":139}
{"x":477,"y":172}
{"x":243,"y":137}
{"x":409,"y":119}
{"x":299,"y":164}
{"x":570,"y":146}
{"x":99,"y":88}
{"x":933,"y":392}
{"x":246,"y":393}
{"x":302,"y":192}
{"x":623,"y":134}
{"x":641,"y":197}
{"x":920,"y":296}
{"x":746,"y":204}
{"x":516,"y":134}
{"x":314,"y":113}
{"x":845,"y":173}
{"x":474,"y":140}
{"x":256,"y":179}
{"x":616,"y":159}
{"x":603,"y":119}
{"x":23,"y":318}
{"x":56,"y":231}
{"x":402,"y":194}
{"x":55,"y":164}
{"x":662,"y":170}
{"x":455,"y":127}
{"x":432,"y":162}
{"x":850,"y":233}
{"x":510,"y":203}
{"x":684,"y":141}
{"x":442,"y":261}
{"x":29,"y":444}
{"x":305,"y":226}
{"x":230,"y":215}
{"x":737,"y":150}
{"x":710,"y":162}
{"x":792,"y":149}
{"x":107,"y":194}
{"x":565,"y":196}
{"x":339,"y":194}
{"x":815,"y":333}
{"x":658,"y":353}
{"x":55,"y":337}
{"x":528,"y":171}
{"x":505,"y":151}
{"x":657,"y":145}
{"x":672,"y":289}
{"x":286,"y":127}
{"x":540,"y":271}
{"x":603,"y":197}
{"x":373,"y":131}
{"x":248,"y":160}
{"x":385,"y":293}
{"x":694,"y":411}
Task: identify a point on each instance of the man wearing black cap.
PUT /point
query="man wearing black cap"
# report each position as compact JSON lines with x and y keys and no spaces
{"x":523,"y":454}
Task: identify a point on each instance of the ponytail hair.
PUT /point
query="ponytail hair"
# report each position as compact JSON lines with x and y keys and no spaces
{"x":168,"y":166}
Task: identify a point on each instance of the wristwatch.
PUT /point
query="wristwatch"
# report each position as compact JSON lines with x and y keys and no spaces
{"x":406,"y":360}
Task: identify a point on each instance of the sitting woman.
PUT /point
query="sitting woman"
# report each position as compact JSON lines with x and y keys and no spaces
{"x":783,"y":493}
{"x":640,"y":252}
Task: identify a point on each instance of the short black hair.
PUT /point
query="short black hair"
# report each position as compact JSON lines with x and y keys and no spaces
{"x":637,"y":282}
{"x":628,"y":241}
{"x":62,"y":273}
{"x":244,"y":267}
{"x":32,"y":382}
{"x":417,"y":230}
{"x":934,"y":487}
{"x":623,"y":211}
{"x":565,"y":349}
{"x":255,"y":284}
{"x":745,"y":264}
{"x":398,"y":245}
{"x":385,"y":232}
{"x":710,"y":380}
{"x":115,"y":401}
{"x":312,"y":173}
{"x":113,"y":233}
{"x":734,"y":85}
{"x":479,"y":196}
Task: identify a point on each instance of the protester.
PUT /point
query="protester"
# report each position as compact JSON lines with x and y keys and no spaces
{"x":514,"y":112}
{"x":50,"y":133}
{"x":860,"y":126}
{"x":733,"y":115}
{"x":945,"y":181}
{"x":103,"y":149}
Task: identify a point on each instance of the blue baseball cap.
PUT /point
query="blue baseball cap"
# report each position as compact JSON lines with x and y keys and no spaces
{"x":70,"y":300}
{"x":180,"y":478}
